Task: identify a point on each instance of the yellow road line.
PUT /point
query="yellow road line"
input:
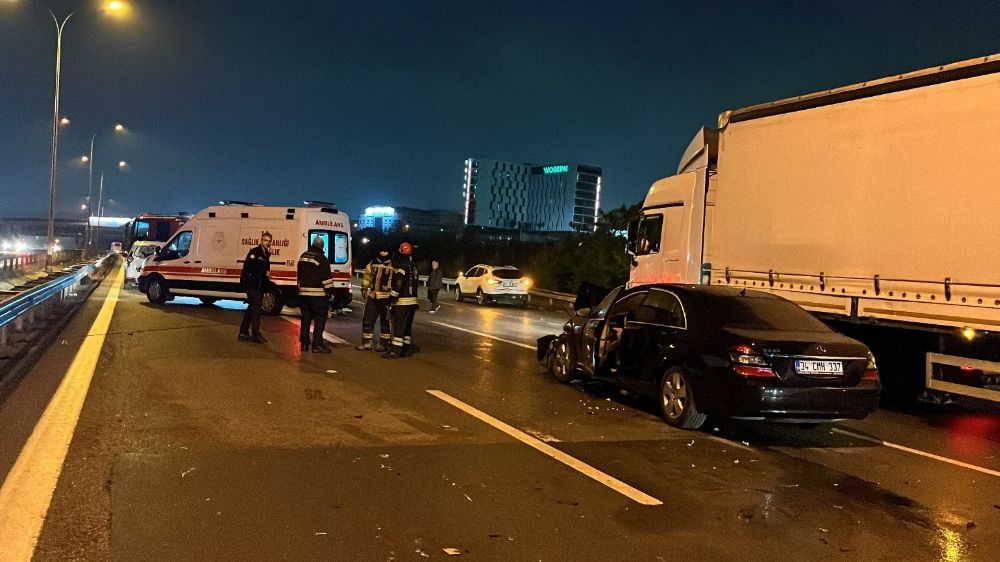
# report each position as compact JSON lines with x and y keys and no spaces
{"x":572,"y":462}
{"x":27,"y":492}
{"x":917,"y":452}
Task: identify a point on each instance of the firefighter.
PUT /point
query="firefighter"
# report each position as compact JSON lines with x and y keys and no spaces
{"x":375,"y":289}
{"x":404,"y":305}
{"x":315,"y":288}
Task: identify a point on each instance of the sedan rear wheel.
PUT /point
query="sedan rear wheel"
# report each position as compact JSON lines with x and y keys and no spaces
{"x":677,"y":405}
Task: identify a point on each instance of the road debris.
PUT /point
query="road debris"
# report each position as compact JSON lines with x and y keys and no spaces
{"x":467,"y":496}
{"x":331,"y":371}
{"x":384,"y":455}
{"x":970,"y":525}
{"x":317,"y":533}
{"x":186,"y":472}
{"x":422,"y":553}
{"x":452,"y":551}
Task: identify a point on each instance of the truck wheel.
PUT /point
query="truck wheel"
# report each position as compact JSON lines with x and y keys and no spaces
{"x":270,"y":302}
{"x":480,"y":297}
{"x":157,"y":291}
{"x":677,"y":404}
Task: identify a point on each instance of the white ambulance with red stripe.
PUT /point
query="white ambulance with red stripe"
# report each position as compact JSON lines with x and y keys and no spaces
{"x":205,"y":257}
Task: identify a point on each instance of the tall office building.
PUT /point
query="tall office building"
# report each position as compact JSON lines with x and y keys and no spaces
{"x":529,"y":197}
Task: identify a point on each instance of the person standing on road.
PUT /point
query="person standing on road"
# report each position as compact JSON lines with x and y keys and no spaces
{"x":404,"y":294}
{"x":253,"y":277}
{"x":435,"y":282}
{"x":375,"y":289}
{"x":315,"y":288}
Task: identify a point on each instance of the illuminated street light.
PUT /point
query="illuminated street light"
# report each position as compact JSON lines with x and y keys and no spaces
{"x":119,"y":128}
{"x":122,"y":164}
{"x":114,"y":7}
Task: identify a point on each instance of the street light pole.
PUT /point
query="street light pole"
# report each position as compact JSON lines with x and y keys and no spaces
{"x":90,"y":190}
{"x":100,"y":210}
{"x":50,"y":248}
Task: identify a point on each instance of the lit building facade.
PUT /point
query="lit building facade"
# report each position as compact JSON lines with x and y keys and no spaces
{"x":530,"y":197}
{"x":408,"y":220}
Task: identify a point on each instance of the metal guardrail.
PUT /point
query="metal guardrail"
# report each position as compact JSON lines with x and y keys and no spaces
{"x":12,"y":265}
{"x":12,"y":308}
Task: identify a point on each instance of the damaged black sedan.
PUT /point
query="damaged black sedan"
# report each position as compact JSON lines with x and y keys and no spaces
{"x":715,"y":351}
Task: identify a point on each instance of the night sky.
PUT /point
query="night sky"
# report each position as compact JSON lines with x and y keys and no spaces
{"x":380,"y":102}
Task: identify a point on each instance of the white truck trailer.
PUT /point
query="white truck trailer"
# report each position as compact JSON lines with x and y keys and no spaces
{"x":876,"y":206}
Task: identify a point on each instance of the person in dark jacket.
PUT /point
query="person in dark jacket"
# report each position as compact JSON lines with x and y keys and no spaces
{"x":253,"y":278}
{"x":435,"y":282}
{"x":404,"y":302}
{"x":315,"y":288}
{"x":375,"y":289}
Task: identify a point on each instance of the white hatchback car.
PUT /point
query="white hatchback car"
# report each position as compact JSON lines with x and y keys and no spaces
{"x":136,"y":256}
{"x":493,"y":283}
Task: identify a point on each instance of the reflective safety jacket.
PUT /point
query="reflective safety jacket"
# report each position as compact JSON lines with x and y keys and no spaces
{"x":314,"y":274}
{"x":404,"y":281}
{"x":378,"y":278}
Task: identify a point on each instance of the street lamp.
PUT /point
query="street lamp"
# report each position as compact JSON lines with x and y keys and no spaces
{"x":89,"y":159}
{"x":113,"y":7}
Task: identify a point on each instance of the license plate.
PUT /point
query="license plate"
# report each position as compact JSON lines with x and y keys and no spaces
{"x":509,"y":284}
{"x":811,"y":367}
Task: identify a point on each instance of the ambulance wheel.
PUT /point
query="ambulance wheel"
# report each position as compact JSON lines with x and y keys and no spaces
{"x":270,"y":301}
{"x":157,"y":291}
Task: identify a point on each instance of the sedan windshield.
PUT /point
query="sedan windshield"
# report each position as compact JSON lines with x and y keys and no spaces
{"x":756,"y":313}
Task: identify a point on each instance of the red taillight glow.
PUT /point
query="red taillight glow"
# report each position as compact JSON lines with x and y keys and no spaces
{"x":747,"y":363}
{"x":870,"y":375}
{"x":755,"y":372}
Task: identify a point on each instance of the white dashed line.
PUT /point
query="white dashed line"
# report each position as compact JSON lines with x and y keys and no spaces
{"x":917,"y":452}
{"x":572,"y":462}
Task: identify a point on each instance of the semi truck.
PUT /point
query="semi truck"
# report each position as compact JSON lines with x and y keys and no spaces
{"x":875,"y":206}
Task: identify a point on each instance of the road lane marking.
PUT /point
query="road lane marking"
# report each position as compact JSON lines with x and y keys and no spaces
{"x":917,"y":452}
{"x":512,"y":342}
{"x":27,"y":492}
{"x":326,"y":335}
{"x":572,"y":462}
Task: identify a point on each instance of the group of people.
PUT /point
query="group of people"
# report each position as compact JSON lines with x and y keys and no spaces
{"x":389,"y":287}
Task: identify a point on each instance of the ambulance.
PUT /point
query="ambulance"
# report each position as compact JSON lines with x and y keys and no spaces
{"x":205,"y":257}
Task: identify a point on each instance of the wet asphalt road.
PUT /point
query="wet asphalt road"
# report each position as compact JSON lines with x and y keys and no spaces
{"x":194,"y":446}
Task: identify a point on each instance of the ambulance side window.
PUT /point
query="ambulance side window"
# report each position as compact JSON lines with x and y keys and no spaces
{"x":178,"y":247}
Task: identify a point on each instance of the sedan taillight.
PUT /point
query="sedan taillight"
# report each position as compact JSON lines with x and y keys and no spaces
{"x":748,"y":363}
{"x":871,"y":369}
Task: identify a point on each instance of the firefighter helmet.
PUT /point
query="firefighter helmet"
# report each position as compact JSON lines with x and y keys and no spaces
{"x":405,"y":249}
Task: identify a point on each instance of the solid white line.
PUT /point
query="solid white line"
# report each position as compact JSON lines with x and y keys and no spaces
{"x":512,"y":342}
{"x":27,"y":492}
{"x":578,"y":465}
{"x":326,"y":335}
{"x":918,"y":452}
